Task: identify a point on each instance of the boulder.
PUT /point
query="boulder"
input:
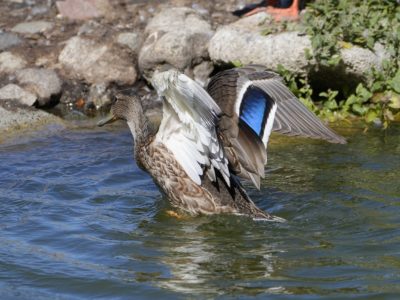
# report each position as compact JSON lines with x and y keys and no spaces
{"x":32,"y":27}
{"x":243,"y":42}
{"x":44,"y":83}
{"x":83,"y":9}
{"x":14,"y":92}
{"x":9,"y":63}
{"x":177,"y":37}
{"x":8,"y":40}
{"x":132,"y":40}
{"x":96,"y":62}
{"x":15,"y":118}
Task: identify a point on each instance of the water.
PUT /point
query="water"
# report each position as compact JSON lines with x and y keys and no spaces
{"x":79,"y":220}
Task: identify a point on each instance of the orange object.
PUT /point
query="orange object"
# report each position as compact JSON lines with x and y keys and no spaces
{"x":279,"y":14}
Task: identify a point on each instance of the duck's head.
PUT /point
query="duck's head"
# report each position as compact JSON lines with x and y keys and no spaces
{"x":127,"y":108}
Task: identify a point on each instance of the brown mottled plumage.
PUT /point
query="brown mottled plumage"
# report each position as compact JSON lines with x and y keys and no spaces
{"x":183,"y":193}
{"x":204,"y":143}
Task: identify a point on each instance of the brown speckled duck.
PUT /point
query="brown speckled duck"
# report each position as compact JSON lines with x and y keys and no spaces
{"x":208,"y":140}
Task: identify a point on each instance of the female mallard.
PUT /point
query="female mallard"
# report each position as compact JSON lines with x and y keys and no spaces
{"x":207,"y":140}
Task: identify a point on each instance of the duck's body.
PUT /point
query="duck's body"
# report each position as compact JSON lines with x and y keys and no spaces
{"x":202,"y":146}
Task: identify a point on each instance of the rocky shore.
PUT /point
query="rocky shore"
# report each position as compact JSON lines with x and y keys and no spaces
{"x":59,"y":59}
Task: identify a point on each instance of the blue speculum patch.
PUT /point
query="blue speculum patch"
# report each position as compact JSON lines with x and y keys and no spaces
{"x":255,"y":108}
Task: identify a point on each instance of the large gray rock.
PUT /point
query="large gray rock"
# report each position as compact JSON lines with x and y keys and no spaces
{"x":16,"y":119}
{"x":44,"y":83}
{"x":32,"y":27}
{"x":14,"y":92}
{"x":96,"y":63}
{"x":8,"y":40}
{"x":242,"y":42}
{"x":177,"y":37}
{"x":10,"y":63}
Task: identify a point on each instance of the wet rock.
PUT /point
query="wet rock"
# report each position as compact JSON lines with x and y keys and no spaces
{"x":96,"y":62}
{"x":8,"y":40}
{"x":242,"y":42}
{"x":32,"y":27}
{"x":83,"y":9}
{"x":176,"y":36}
{"x":133,"y":40}
{"x":14,"y":92}
{"x":10,"y":63}
{"x":44,"y":83}
{"x":16,"y":118}
{"x":99,"y":96}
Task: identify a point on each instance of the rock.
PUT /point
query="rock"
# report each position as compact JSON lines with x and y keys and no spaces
{"x":99,"y":96}
{"x":176,"y":36}
{"x":14,"y":92}
{"x":83,"y":9}
{"x":358,"y":60}
{"x":96,"y":63}
{"x":202,"y":72}
{"x":8,"y":40}
{"x":15,"y":118}
{"x":9,"y":63}
{"x":242,"y":42}
{"x":44,"y":83}
{"x":32,"y":27}
{"x":133,"y":40}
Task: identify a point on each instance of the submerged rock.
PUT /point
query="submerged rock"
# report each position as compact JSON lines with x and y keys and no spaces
{"x":14,"y":92}
{"x":177,"y":37}
{"x":96,"y":62}
{"x":44,"y":83}
{"x":15,"y":118}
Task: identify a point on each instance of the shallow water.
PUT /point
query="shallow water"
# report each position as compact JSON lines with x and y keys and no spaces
{"x":79,"y":220}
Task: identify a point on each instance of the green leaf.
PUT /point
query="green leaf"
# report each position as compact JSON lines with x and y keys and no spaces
{"x":395,"y":82}
{"x":371,"y":116}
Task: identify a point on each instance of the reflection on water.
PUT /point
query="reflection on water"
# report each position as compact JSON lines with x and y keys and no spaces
{"x":79,"y":220}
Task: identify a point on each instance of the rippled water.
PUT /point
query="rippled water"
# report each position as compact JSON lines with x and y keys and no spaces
{"x":79,"y":220}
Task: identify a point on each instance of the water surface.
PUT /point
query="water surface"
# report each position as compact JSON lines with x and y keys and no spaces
{"x":79,"y":220}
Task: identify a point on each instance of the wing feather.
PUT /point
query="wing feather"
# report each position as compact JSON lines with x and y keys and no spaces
{"x":188,"y":126}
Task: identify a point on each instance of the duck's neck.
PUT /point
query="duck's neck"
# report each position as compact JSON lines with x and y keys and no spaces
{"x":140,"y":129}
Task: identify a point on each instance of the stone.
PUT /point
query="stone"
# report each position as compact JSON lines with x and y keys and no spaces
{"x":10,"y":63}
{"x":14,"y":92}
{"x":83,"y":9}
{"x":8,"y":40}
{"x":177,"y":37}
{"x":44,"y":83}
{"x":133,"y":40}
{"x":15,"y":119}
{"x":96,"y":62}
{"x":32,"y":27}
{"x":241,"y":42}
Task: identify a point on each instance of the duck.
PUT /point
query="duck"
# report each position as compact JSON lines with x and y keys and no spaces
{"x":210,"y":139}
{"x":279,"y":9}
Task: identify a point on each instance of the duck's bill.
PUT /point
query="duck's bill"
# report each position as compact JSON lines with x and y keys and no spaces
{"x":107,"y":120}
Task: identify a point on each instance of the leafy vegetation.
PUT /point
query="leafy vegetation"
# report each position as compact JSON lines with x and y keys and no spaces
{"x":333,"y":25}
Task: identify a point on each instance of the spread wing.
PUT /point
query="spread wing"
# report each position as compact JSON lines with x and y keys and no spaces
{"x":255,"y":102}
{"x":188,"y":126}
